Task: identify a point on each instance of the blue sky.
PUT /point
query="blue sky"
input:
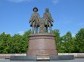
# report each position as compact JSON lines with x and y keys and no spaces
{"x":68,"y":15}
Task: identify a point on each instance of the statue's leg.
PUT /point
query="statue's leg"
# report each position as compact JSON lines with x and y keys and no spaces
{"x":46,"y":29}
{"x":32,"y":30}
{"x":36,"y":29}
{"x":50,"y":28}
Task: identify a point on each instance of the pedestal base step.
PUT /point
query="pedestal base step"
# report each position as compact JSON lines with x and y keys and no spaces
{"x":43,"y":58}
{"x":48,"y":58}
{"x":62,"y":57}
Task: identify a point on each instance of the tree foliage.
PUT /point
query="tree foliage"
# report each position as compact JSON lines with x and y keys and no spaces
{"x":14,"y":44}
{"x":64,"y":44}
{"x":80,"y":41}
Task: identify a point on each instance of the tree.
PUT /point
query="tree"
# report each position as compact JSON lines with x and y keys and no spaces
{"x":16,"y":45}
{"x":80,"y":41}
{"x":5,"y":40}
{"x":57,"y":39}
{"x":68,"y":42}
{"x":26,"y":39}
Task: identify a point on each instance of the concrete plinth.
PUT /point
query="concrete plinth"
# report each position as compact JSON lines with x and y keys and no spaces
{"x":42,"y":45}
{"x":33,"y":58}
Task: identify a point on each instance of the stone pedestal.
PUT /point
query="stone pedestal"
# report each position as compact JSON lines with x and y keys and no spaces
{"x":42,"y":45}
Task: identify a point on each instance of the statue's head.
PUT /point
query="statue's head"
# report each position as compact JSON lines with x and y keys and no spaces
{"x":35,"y":9}
{"x":47,"y":10}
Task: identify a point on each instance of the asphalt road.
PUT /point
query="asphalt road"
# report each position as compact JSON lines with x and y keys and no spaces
{"x":75,"y":60}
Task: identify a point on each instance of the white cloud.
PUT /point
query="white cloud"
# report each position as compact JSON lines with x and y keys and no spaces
{"x":21,"y":32}
{"x":55,"y":1}
{"x":17,"y":1}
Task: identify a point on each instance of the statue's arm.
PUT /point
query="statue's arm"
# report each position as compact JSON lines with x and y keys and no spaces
{"x":50,"y":17}
{"x":31,"y":18}
{"x":39,"y":17}
{"x":29,"y":21}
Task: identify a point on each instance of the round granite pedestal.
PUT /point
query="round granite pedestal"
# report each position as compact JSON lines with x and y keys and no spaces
{"x":42,"y":45}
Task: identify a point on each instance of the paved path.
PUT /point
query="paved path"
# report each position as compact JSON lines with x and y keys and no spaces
{"x":75,"y":60}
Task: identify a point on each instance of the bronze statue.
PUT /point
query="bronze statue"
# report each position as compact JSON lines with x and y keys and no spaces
{"x":41,"y":25}
{"x":34,"y":20}
{"x":48,"y":20}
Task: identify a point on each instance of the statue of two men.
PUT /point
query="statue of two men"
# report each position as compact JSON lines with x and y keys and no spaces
{"x":41,"y":25}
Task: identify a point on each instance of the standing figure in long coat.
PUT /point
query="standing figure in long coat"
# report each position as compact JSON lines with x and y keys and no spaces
{"x":48,"y":20}
{"x":34,"y":20}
